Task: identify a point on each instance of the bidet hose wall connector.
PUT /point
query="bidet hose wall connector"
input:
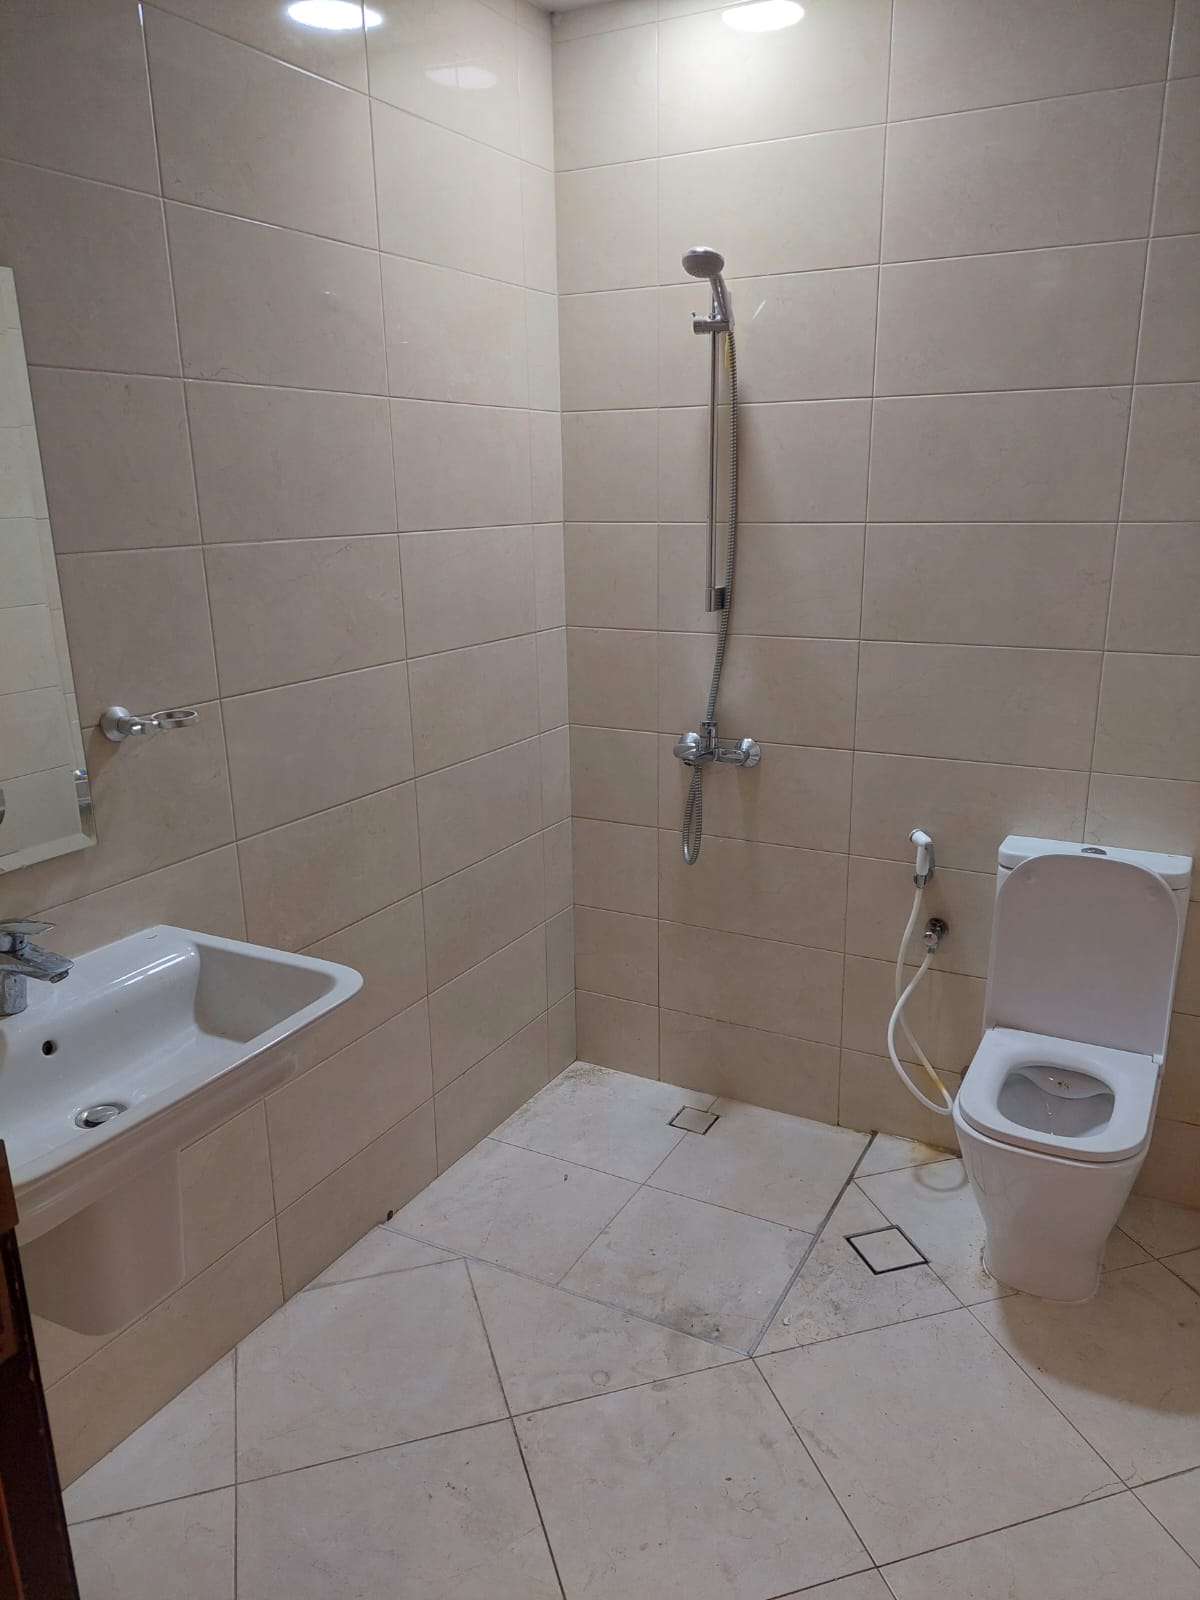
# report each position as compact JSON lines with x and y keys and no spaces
{"x":693,"y":806}
{"x":944,"y":1105}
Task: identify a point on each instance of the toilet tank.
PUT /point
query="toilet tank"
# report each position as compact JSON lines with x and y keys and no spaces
{"x":1086,"y":941}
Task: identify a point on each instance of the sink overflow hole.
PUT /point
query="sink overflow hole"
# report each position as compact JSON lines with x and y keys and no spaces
{"x":97,"y":1116}
{"x":49,"y":1046}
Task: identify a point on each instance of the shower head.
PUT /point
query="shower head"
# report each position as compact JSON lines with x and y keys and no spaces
{"x":702,"y":262}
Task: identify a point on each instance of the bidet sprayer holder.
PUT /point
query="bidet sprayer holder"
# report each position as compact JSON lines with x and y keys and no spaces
{"x":923,"y":870}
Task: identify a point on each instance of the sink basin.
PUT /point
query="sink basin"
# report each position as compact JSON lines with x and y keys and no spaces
{"x":151,"y":1042}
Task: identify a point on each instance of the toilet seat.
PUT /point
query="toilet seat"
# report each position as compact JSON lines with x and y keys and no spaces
{"x":1131,"y":1078}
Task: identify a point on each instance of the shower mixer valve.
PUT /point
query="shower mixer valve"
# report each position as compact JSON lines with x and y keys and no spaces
{"x":700,"y":749}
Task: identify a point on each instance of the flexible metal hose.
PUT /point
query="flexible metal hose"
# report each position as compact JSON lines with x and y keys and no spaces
{"x":693,"y":808}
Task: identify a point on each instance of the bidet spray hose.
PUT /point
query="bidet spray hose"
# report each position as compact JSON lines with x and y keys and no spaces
{"x":945,"y":1104}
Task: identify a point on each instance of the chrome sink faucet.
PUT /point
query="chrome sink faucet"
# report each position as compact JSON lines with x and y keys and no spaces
{"x":20,"y":961}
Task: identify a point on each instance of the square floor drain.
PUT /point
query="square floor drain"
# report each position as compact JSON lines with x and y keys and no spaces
{"x":694,"y":1121}
{"x":886,"y":1250}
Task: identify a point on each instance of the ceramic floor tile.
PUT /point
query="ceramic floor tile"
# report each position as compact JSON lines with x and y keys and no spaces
{"x":1159,"y":1226}
{"x":615,"y":1121}
{"x":888,"y":1153}
{"x":178,"y":1551}
{"x":928,"y":1433}
{"x":692,"y":1489}
{"x":516,"y":1207}
{"x":360,"y":1365}
{"x":863,"y":1586}
{"x":443,"y":1519}
{"x":1106,"y":1551}
{"x":184,"y":1449}
{"x":696,"y":1267}
{"x":1125,"y":1366}
{"x":380,"y":1251}
{"x":785,"y":1169}
{"x":837,"y":1292}
{"x":1176,"y":1504}
{"x":552,"y":1346}
{"x":1186,"y":1266}
{"x":935,"y":1207}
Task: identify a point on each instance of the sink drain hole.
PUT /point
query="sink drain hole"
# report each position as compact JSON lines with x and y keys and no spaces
{"x":97,"y":1116}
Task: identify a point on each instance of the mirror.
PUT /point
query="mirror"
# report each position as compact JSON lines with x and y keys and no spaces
{"x":45,"y":804}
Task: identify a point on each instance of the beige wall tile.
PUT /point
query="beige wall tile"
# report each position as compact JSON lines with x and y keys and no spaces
{"x":476,"y":1012}
{"x":341,"y":56}
{"x":1052,"y":172}
{"x":806,"y":462}
{"x":799,"y":579}
{"x":535,"y":110}
{"x":336,"y":1212}
{"x":549,"y":579}
{"x":610,"y":466}
{"x":612,"y":676}
{"x":783,"y":691}
{"x":1028,"y":320}
{"x":605,"y":98}
{"x":614,"y":775}
{"x":115,"y":1390}
{"x":787,"y":206}
{"x":472,"y":914}
{"x":616,"y":955}
{"x":878,"y":903}
{"x":309,"y":746}
{"x":545,"y":466}
{"x":1162,"y":477}
{"x":609,"y":350}
{"x":471,"y":811}
{"x":1156,"y":588}
{"x":468,"y":1109}
{"x":968,"y":806}
{"x":560,"y":956}
{"x":945,"y":1014}
{"x":1169,"y":351}
{"x":453,"y":336}
{"x":560,"y":1036}
{"x":330,"y":1113}
{"x":611,"y":574}
{"x":311,"y":139}
{"x":832,"y":74}
{"x":1050,"y":455}
{"x":92,"y":273}
{"x":115,"y":455}
{"x":616,"y":866}
{"x":312,"y":877}
{"x":615,"y":1033}
{"x":74,"y":92}
{"x":766,"y":1069}
{"x":1185,"y":40}
{"x":607,"y":227}
{"x":303,"y":608}
{"x":1179,"y":1099}
{"x":1171,"y":1164}
{"x":225,"y":1188}
{"x":137,"y":622}
{"x":289,"y":463}
{"x":461,"y":466}
{"x":797,"y":796}
{"x":467,"y":587}
{"x":242,"y":289}
{"x":1177,"y":200}
{"x":552,"y":678}
{"x":871,"y":1097}
{"x":541,"y":348}
{"x":538,"y":228}
{"x":768,"y":891}
{"x":1042,"y":584}
{"x":418,"y":164}
{"x":1144,"y":814}
{"x":1149,"y":723}
{"x":604,"y":18}
{"x":556,"y":866}
{"x":1028,"y":707}
{"x":466,"y":702}
{"x":758,"y":983}
{"x":956,"y":55}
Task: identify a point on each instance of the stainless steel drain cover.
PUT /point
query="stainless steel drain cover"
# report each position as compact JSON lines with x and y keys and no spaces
{"x":97,"y":1116}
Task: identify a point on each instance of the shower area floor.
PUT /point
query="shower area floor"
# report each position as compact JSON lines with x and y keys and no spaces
{"x":641,"y":1344}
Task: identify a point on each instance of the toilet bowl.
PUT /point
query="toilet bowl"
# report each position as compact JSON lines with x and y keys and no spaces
{"x":1057,"y":1106}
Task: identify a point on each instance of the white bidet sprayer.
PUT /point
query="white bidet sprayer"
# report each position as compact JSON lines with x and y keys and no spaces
{"x":935,"y":931}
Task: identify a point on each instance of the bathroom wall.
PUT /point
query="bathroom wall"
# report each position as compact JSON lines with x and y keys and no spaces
{"x":968,"y":325}
{"x":288,"y":300}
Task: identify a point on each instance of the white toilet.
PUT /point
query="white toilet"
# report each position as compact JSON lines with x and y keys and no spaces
{"x":1055,"y":1112}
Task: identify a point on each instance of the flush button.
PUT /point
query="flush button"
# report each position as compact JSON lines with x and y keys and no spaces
{"x":1093,"y":850}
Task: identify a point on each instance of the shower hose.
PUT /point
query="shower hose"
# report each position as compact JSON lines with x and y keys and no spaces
{"x":944,"y":1104}
{"x":693,"y":809}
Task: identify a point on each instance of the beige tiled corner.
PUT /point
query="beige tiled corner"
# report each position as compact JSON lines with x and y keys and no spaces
{"x":552,"y":678}
{"x":622,"y":1034}
{"x":659,"y":1519}
{"x":1102,"y":1364}
{"x":380,"y":1251}
{"x":262,"y":463}
{"x":115,"y":455}
{"x":935,"y":1207}
{"x":516,"y":1208}
{"x":448,"y":1511}
{"x":759,"y":983}
{"x":607,"y":227}
{"x":468,"y":1108}
{"x":1169,"y":350}
{"x":561,"y":1047}
{"x":556,"y":776}
{"x":467,"y":702}
{"x":125,"y":1557}
{"x":473,"y":913}
{"x":467,"y":587}
{"x":311,"y":138}
{"x":343,"y":609}
{"x":1177,"y":202}
{"x":442,"y":437}
{"x":1156,"y":588}
{"x":225,"y":1188}
{"x":605,"y":105}
{"x":866,"y":1425}
{"x":558,"y":867}
{"x":347,"y":1347}
{"x":1148,"y":716}
{"x":477,"y":1011}
{"x":549,"y":575}
{"x":242,"y":288}
{"x":535,"y":109}
{"x":1162,"y":479}
{"x":1174,"y":1504}
{"x":560,"y":956}
{"x":766,"y":1069}
{"x":1092,"y":1552}
{"x":312,"y":877}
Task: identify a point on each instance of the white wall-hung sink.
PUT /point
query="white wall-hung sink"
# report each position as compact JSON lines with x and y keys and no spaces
{"x":105,"y":1077}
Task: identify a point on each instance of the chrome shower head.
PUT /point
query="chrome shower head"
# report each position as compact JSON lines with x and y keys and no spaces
{"x":703,"y":262}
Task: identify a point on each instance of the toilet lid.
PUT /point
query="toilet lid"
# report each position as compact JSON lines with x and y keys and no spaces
{"x":1084,"y":947}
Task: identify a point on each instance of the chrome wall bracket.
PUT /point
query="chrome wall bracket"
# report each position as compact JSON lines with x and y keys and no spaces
{"x":116,"y":723}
